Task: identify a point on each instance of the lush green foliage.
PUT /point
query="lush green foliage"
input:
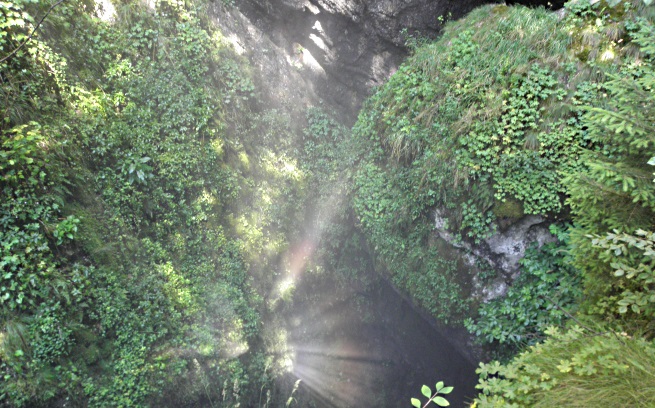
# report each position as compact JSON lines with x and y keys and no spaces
{"x":576,"y":368}
{"x":126,"y":262}
{"x":403,"y":250}
{"x":612,"y":200}
{"x":527,"y":113}
{"x":545,"y":294}
{"x":131,"y":276}
{"x":478,"y":125}
{"x":30,"y":219}
{"x":632,"y":258}
{"x":615,"y":190}
{"x":328,"y":158}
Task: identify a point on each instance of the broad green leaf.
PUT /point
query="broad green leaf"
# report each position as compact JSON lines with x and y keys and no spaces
{"x":439,"y":385}
{"x":425,"y":390}
{"x":442,"y":402}
{"x":416,"y":403}
{"x":446,"y":390}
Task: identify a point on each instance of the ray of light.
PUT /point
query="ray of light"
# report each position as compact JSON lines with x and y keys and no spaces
{"x":309,"y":60}
{"x":318,"y":41}
{"x":335,"y":367}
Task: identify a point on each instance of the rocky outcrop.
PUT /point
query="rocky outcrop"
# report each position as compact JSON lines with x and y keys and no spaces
{"x":502,"y":251}
{"x":508,"y":247}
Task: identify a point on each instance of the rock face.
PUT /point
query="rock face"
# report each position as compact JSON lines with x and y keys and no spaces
{"x":283,"y":83}
{"x":508,"y":247}
{"x":341,"y":48}
{"x":502,"y":251}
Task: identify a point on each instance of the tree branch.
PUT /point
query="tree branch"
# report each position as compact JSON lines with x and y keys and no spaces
{"x":11,"y":54}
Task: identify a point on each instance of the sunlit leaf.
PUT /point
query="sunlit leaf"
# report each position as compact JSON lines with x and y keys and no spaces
{"x":442,"y":402}
{"x":416,"y":403}
{"x":446,"y":390}
{"x":425,"y":390}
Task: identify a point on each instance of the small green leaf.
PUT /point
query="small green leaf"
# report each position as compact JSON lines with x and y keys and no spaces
{"x":416,"y":403}
{"x":425,"y":390}
{"x":439,"y":385}
{"x":446,"y":390}
{"x":442,"y":402}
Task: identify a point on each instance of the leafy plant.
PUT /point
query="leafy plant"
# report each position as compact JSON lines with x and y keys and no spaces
{"x":463,"y":126}
{"x":136,"y":169}
{"x":632,"y":257}
{"x":614,"y":190}
{"x":545,"y":294}
{"x":111,"y":152}
{"x":436,"y":398}
{"x":611,"y":197}
{"x":574,"y":367}
{"x":290,"y":400}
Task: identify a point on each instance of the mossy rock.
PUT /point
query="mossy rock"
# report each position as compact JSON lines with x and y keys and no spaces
{"x":509,"y":209}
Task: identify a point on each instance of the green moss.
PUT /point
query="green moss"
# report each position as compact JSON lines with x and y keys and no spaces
{"x":509,"y":208}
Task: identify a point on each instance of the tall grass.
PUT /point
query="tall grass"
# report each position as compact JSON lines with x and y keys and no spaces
{"x":578,"y":368}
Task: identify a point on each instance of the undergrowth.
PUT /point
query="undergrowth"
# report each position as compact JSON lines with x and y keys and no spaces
{"x":576,"y":368}
{"x":128,"y":265}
